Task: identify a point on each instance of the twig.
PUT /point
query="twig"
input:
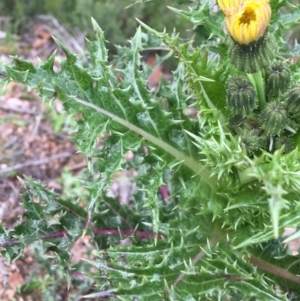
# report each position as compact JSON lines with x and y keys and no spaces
{"x":16,"y":110}
{"x":11,"y":142}
{"x":34,"y":162}
{"x":97,"y":231}
{"x":76,"y":44}
{"x":77,"y":166}
{"x":37,"y":123}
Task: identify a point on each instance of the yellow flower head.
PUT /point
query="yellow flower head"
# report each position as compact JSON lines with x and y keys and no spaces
{"x":226,"y":5}
{"x":246,"y":20}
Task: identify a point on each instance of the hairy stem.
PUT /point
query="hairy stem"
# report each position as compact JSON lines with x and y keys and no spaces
{"x":97,"y":231}
{"x":216,"y":113}
{"x":218,"y":233}
{"x":194,"y":165}
{"x":258,"y":83}
{"x":273,"y":269}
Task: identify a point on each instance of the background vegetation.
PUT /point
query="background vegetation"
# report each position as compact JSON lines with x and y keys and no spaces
{"x":116,"y":18}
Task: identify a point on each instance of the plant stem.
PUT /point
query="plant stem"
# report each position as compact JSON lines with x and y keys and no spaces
{"x":196,"y":166}
{"x":96,"y":231}
{"x":215,"y":111}
{"x":273,"y":269}
{"x":258,"y":83}
{"x":216,"y":236}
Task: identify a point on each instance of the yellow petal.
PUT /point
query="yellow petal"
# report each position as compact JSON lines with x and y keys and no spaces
{"x":228,"y":4}
{"x":248,"y":22}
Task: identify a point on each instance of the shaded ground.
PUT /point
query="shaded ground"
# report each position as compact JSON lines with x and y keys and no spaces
{"x":29,"y":145}
{"x":34,"y":141}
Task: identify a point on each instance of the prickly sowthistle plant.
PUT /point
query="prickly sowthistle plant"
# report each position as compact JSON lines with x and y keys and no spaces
{"x":233,"y":176}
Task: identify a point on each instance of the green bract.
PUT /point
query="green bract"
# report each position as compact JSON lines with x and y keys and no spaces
{"x":250,"y":140}
{"x":241,"y":96}
{"x":284,"y":142}
{"x":278,"y":77}
{"x":253,"y":57}
{"x":292,"y":101}
{"x":274,"y":118}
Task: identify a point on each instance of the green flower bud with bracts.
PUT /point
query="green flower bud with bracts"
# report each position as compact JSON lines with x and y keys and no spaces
{"x":293,"y":125}
{"x":278,"y":77}
{"x":237,"y":123}
{"x":274,"y":118}
{"x":292,"y":101}
{"x":285,"y":142}
{"x":253,"y":57}
{"x":250,"y":140}
{"x":241,"y":95}
{"x":264,"y":141}
{"x":296,"y":121}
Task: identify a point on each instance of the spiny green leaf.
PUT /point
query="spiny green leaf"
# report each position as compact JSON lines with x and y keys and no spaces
{"x":203,"y":14}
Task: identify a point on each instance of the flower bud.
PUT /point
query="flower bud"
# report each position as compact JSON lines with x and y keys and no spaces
{"x":284,"y":141}
{"x":237,"y":122}
{"x":241,"y":96}
{"x":293,"y":125}
{"x":275,"y":118}
{"x":250,"y":140}
{"x":292,"y":101}
{"x":278,"y":77}
{"x":264,"y":141}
